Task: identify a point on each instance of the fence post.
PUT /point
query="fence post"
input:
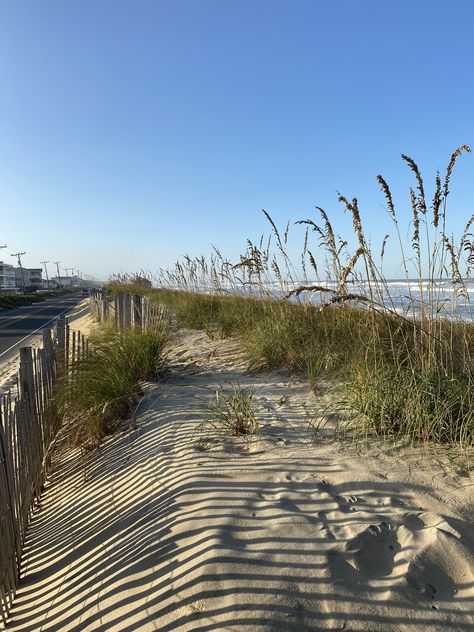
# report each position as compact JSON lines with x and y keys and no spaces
{"x":61,"y":339}
{"x":117,"y":310}
{"x":146,"y":313}
{"x":127,"y":310}
{"x":27,"y":386}
{"x":104,"y":305}
{"x":31,"y":419}
{"x":137,"y":311}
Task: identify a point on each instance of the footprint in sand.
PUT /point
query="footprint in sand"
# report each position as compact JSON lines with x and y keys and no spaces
{"x":436,"y":564}
{"x":373,"y":551}
{"x":422,"y":556}
{"x":429,"y":579}
{"x":369,"y":555}
{"x":280,"y":499}
{"x":230,"y":540}
{"x":327,"y":527}
{"x":324,"y":485}
{"x":391,"y":501}
{"x":348,"y":503}
{"x":344,"y":504}
{"x":293,"y":478}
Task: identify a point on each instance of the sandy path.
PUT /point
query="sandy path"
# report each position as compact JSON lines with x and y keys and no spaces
{"x":287,"y":536}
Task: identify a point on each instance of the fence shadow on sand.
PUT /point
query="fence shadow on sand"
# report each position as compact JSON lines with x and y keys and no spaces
{"x":162,"y":536}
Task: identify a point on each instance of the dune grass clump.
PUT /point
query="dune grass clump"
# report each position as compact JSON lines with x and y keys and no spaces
{"x":302,"y":338}
{"x":101,"y":389}
{"x":398,"y":402}
{"x":220,"y":315}
{"x":229,"y":414}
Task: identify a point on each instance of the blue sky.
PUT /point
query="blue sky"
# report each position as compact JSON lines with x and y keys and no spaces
{"x":134,"y":131}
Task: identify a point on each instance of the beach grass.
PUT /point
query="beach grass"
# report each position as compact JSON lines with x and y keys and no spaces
{"x":407,"y":371}
{"x":230,"y":412}
{"x":100,"y":390}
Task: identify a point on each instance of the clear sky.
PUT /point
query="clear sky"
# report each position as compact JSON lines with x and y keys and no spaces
{"x":134,"y":131}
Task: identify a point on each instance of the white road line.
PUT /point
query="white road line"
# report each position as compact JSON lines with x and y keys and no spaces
{"x":32,"y":333}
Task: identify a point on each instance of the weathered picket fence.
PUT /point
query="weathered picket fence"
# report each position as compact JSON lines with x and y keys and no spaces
{"x":127,"y":310}
{"x":28,"y":427}
{"x":29,"y":423}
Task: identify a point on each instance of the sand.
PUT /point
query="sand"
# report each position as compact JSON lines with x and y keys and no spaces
{"x":153,"y":533}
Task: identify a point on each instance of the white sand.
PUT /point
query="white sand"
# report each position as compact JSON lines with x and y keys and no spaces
{"x":287,"y":536}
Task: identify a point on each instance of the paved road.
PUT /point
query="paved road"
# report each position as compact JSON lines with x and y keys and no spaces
{"x":19,"y":327}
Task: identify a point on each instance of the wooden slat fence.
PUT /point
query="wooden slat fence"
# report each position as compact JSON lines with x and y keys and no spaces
{"x":28,"y":426}
{"x":29,"y":423}
{"x":128,"y":310}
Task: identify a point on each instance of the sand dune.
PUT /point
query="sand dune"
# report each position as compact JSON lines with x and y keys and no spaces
{"x":153,"y":533}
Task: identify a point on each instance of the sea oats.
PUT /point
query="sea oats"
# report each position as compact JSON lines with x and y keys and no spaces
{"x":416,"y":222}
{"x":437,"y":201}
{"x":388,"y":195}
{"x":421,"y":189}
{"x":454,"y":156}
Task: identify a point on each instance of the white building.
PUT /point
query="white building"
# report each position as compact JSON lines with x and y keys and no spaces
{"x":64,"y":281}
{"x":29,"y":279}
{"x":36,"y":279}
{"x":72,"y":281}
{"x":7,"y":279}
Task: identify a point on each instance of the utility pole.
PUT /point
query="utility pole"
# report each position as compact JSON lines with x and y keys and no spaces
{"x":3,"y":246}
{"x":67,"y":274}
{"x":19,"y":255}
{"x":46,"y":272}
{"x":59,"y":276}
